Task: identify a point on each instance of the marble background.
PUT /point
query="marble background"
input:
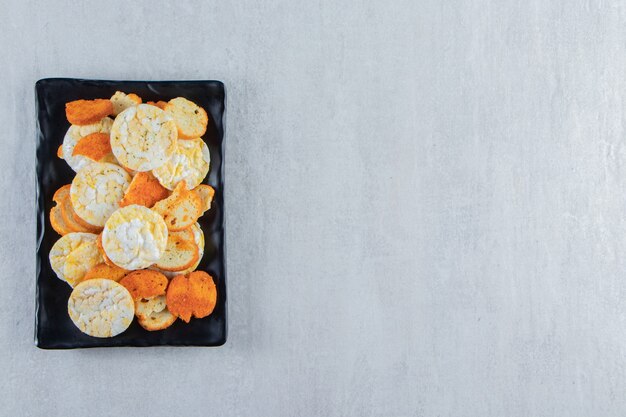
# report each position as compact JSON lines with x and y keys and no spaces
{"x":425,"y":207}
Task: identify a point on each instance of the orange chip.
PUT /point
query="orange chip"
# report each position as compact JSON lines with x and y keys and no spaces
{"x":103,"y":270}
{"x":159,"y":104}
{"x":144,"y":189}
{"x":191,"y":294}
{"x":86,"y":112}
{"x":134,"y":97}
{"x":145,"y":283}
{"x":94,"y":146}
{"x":60,"y":151}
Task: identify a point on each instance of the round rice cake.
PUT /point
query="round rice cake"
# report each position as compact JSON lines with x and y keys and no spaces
{"x":143,"y":137}
{"x":101,"y":307}
{"x":62,"y":249}
{"x":190,"y":163}
{"x":134,"y":237}
{"x":74,"y":134}
{"x":80,"y":260}
{"x":97,"y":190}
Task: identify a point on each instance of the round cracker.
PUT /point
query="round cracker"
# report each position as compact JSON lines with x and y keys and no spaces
{"x":81,"y":260}
{"x":134,"y":237}
{"x":63,"y":247}
{"x":190,"y":163}
{"x":143,"y":137}
{"x":97,"y":190}
{"x":101,"y":307}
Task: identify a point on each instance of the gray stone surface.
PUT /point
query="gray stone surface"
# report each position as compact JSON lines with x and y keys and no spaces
{"x":425,"y":205}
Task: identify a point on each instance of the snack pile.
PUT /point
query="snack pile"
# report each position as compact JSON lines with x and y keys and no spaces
{"x":130,"y":239}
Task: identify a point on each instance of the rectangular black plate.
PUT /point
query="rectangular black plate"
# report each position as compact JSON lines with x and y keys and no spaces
{"x":53,"y":327}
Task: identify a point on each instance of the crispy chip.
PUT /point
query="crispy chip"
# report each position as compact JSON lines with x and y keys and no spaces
{"x":145,"y":190}
{"x":159,"y":104}
{"x":94,"y":146}
{"x":206,"y":194}
{"x":85,"y":112}
{"x":191,"y":294}
{"x":57,"y":222}
{"x":181,"y":209}
{"x":145,"y":283}
{"x":103,"y":270}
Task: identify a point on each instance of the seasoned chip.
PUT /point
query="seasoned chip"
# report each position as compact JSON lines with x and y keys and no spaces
{"x":74,"y":135}
{"x":122,"y":101}
{"x":191,"y":294}
{"x":94,"y":146}
{"x":145,"y":283}
{"x":205,"y":193}
{"x":181,"y":209}
{"x":180,"y":253}
{"x":144,"y":190}
{"x":57,"y":222}
{"x":191,"y":119}
{"x":152,"y":314}
{"x":102,"y":270}
{"x":101,"y":307}
{"x":85,"y":112}
{"x":198,"y":238}
{"x":159,"y":104}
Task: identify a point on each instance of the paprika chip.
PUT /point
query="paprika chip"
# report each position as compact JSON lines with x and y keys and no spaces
{"x":191,"y":294}
{"x":145,"y":283}
{"x":94,"y":146}
{"x":86,"y":112}
{"x":145,"y":190}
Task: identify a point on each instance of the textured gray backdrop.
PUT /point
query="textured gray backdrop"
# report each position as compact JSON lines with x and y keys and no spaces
{"x":426,"y":207}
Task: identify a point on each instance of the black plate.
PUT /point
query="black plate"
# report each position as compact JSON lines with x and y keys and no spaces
{"x":53,"y":327}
